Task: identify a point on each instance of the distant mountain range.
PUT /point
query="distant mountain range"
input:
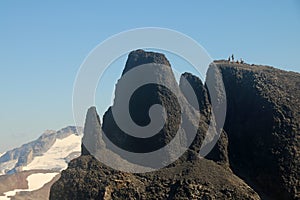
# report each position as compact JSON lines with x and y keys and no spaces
{"x":49,"y":146}
{"x":60,"y":145}
{"x":28,"y":172}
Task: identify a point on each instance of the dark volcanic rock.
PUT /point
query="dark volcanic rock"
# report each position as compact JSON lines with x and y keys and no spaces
{"x":219,"y":153}
{"x":260,"y":142}
{"x":200,"y":90}
{"x":141,"y":101}
{"x":140,"y":57}
{"x":139,"y":108}
{"x":87,"y":178}
{"x":262,"y":124}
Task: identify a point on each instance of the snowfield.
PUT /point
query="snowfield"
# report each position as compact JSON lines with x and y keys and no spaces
{"x":35,"y":182}
{"x":29,"y":151}
{"x":54,"y":158}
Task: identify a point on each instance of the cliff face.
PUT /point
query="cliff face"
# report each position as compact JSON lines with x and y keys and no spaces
{"x":262,"y":124}
{"x":180,"y":116}
{"x":256,"y":156}
{"x":141,"y":101}
{"x":219,"y":153}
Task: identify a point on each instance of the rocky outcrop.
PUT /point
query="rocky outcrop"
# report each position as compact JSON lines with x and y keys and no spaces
{"x":140,"y":57}
{"x":262,"y":124}
{"x":256,"y":156}
{"x":201,"y":91}
{"x":219,"y":153}
{"x":87,"y":178}
{"x":140,"y":103}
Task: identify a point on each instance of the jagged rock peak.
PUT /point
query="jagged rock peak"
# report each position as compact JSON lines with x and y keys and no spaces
{"x":92,"y":130}
{"x":140,"y":57}
{"x":92,"y":111}
{"x":199,"y":89}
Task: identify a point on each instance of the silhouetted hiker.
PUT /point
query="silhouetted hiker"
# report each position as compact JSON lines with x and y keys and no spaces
{"x":232,"y":57}
{"x":229,"y":59}
{"x":242,"y":61}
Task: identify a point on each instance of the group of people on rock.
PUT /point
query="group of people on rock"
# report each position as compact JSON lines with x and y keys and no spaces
{"x":231,"y":59}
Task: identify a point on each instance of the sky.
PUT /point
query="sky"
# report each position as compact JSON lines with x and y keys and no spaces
{"x":43,"y":44}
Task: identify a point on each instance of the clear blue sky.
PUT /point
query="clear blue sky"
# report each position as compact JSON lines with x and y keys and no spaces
{"x":43,"y":44}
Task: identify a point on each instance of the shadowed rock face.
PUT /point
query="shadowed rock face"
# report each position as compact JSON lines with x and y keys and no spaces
{"x":141,"y":101}
{"x":200,"y":91}
{"x":262,"y":124}
{"x":219,"y":153}
{"x":259,"y":143}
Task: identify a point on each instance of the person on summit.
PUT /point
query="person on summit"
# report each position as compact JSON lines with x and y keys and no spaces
{"x":232,"y":57}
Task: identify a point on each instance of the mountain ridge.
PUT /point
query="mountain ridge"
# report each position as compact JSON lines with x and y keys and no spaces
{"x":258,"y":148}
{"x":31,"y":178}
{"x":13,"y":160}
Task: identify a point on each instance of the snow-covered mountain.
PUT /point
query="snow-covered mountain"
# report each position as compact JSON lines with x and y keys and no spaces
{"x":51,"y":151}
{"x":29,"y":171}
